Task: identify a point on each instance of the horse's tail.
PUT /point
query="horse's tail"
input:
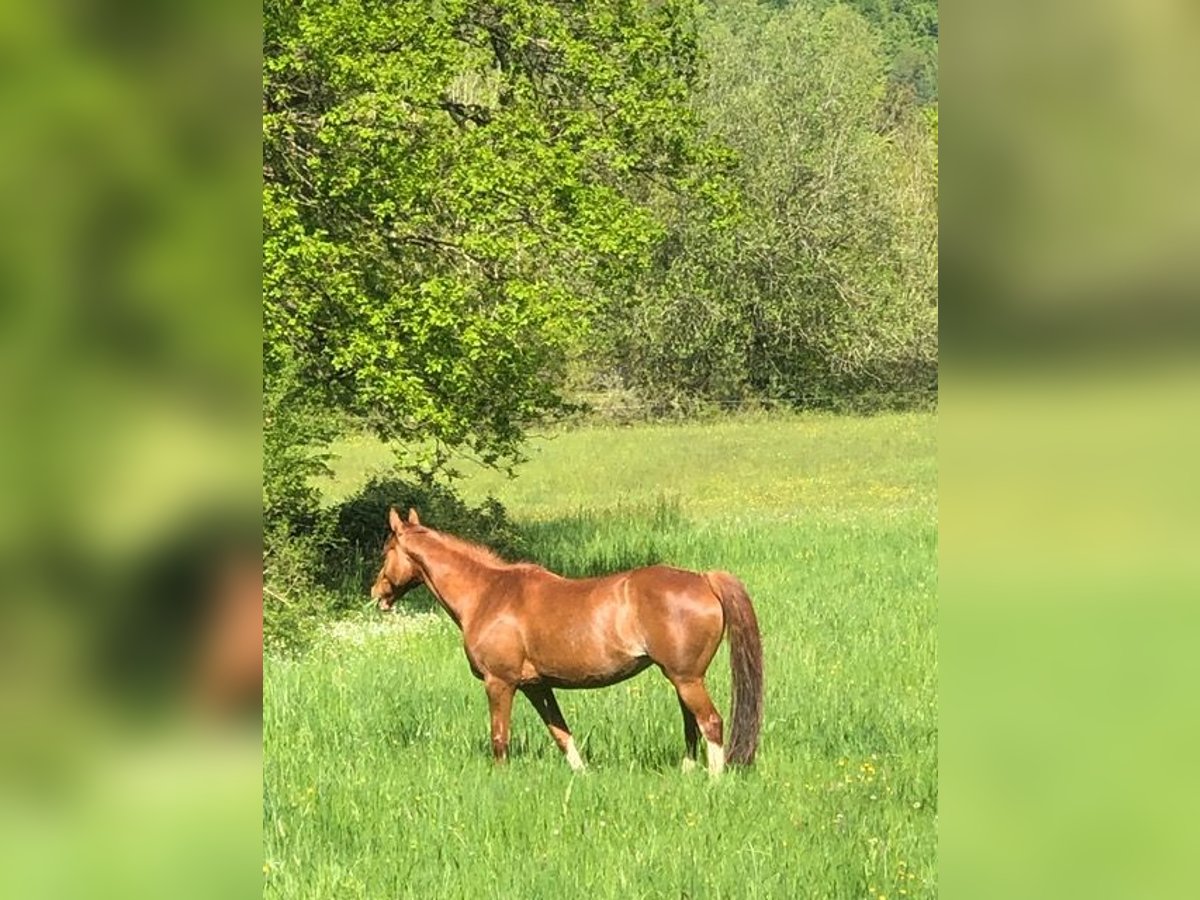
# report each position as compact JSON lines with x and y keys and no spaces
{"x":746,"y":665}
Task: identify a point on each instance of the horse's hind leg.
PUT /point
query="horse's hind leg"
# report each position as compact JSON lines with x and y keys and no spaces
{"x":691,"y":736}
{"x":544,"y":702}
{"x":694,"y":696}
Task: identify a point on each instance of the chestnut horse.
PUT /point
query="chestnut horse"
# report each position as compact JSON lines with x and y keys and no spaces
{"x":526,"y":629}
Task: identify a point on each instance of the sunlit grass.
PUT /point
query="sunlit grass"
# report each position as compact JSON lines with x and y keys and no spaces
{"x":783,"y":466}
{"x":378,"y":780}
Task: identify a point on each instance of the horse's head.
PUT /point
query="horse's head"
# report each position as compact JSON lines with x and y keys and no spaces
{"x":399,"y":573}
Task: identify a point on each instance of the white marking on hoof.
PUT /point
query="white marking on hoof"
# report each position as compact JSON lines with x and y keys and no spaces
{"x":574,"y":760}
{"x":689,"y":765}
{"x":716,"y":758}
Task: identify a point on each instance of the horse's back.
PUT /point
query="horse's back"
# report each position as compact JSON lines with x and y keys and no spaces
{"x":669,"y":588}
{"x":647,"y":590}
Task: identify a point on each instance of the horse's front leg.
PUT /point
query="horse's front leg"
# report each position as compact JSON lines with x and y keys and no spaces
{"x":500,"y":700}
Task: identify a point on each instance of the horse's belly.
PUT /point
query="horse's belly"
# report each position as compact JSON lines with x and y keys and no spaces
{"x":582,"y":676}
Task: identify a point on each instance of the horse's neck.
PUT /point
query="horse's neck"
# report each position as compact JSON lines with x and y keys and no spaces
{"x":457,"y":579}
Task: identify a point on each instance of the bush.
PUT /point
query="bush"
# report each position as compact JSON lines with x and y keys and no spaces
{"x":314,"y":577}
{"x":295,"y":602}
{"x":295,"y":435}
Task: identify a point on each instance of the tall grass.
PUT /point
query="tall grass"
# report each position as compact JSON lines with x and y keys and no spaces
{"x":378,"y":779}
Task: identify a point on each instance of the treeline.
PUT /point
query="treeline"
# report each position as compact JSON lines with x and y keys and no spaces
{"x":819,"y":287}
{"x":478,"y":211}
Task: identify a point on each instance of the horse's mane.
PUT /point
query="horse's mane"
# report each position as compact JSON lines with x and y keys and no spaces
{"x":476,"y":553}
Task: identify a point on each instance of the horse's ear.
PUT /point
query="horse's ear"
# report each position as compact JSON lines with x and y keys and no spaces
{"x":413,"y":518}
{"x":395,"y":521}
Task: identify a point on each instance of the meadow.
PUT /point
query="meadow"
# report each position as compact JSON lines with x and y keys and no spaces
{"x":378,"y":780}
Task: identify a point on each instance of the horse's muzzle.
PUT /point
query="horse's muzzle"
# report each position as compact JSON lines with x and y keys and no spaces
{"x":384,"y":603}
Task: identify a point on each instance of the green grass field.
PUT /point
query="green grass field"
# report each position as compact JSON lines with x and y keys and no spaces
{"x":378,"y":780}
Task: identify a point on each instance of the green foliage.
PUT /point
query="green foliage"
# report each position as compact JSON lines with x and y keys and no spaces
{"x":296,"y":603}
{"x":824,"y":290}
{"x":909,"y":29}
{"x":451,"y":189}
{"x":296,"y":530}
{"x":294,"y":432}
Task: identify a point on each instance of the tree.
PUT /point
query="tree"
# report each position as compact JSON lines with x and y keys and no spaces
{"x":826,"y":286}
{"x":450,"y":190}
{"x":909,"y":31}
